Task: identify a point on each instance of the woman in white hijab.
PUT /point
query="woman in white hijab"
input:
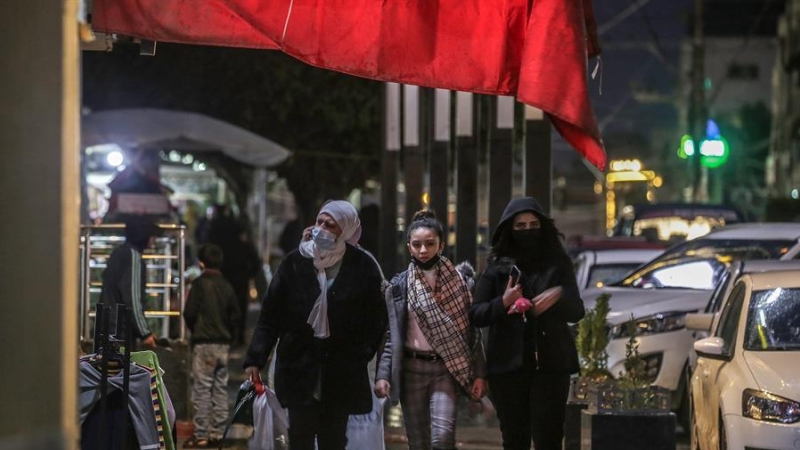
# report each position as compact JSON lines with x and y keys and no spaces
{"x":325,"y":312}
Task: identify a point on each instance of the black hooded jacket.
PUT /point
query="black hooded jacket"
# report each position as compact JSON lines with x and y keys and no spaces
{"x":545,"y":342}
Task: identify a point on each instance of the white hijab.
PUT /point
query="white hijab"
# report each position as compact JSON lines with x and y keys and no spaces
{"x":346,"y":217}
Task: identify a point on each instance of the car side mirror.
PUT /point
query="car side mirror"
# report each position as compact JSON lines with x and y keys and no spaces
{"x":699,"y":321}
{"x":710,"y":346}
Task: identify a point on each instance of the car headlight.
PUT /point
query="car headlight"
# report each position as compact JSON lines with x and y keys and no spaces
{"x":657,"y":323}
{"x":761,"y":405}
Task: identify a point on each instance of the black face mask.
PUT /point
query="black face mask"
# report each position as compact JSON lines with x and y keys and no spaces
{"x":527,"y":239}
{"x":427,"y":265}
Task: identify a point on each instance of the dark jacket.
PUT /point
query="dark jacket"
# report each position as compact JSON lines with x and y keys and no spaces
{"x":357,"y":321}
{"x":545,"y":341}
{"x":124,"y":284}
{"x":390,"y":362}
{"x":212,"y":312}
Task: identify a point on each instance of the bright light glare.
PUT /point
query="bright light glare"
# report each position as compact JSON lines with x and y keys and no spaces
{"x":115,"y":158}
{"x":774,"y":295}
{"x":695,"y":275}
{"x":712,"y":148}
{"x":103,"y":148}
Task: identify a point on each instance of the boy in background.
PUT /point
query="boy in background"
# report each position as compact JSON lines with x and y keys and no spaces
{"x":211,"y":314}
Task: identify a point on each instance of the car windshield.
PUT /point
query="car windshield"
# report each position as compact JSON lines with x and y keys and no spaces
{"x":603,"y":274}
{"x":773,"y":320}
{"x":697,"y":264}
{"x":678,"y":273}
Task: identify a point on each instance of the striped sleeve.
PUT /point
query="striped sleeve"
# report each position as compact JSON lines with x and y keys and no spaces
{"x":137,"y":296}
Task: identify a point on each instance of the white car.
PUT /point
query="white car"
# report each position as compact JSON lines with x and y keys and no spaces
{"x":702,"y":323}
{"x":746,"y":388}
{"x":596,"y":268}
{"x":658,"y":295}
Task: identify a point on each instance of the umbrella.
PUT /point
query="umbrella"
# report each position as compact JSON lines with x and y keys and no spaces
{"x":179,"y":130}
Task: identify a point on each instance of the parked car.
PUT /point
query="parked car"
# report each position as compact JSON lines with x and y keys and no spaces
{"x":596,"y":268}
{"x":674,"y":221}
{"x":702,"y":323}
{"x":746,"y":389}
{"x":658,"y":295}
{"x":579,"y":243}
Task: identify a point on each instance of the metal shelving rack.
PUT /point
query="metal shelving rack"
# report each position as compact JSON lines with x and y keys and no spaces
{"x":165,"y":284}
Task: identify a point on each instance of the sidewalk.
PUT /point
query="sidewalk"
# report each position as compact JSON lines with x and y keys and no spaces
{"x":476,"y":430}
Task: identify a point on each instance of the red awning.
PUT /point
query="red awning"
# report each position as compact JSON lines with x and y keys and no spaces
{"x":537,"y":53}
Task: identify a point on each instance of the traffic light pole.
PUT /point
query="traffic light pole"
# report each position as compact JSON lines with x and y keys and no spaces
{"x":698,"y":113}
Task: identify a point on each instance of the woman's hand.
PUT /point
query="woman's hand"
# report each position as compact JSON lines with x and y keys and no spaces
{"x":512,"y":293}
{"x":307,"y":234}
{"x":253,"y":373}
{"x":382,"y":388}
{"x":546,"y":299}
{"x":478,"y":389}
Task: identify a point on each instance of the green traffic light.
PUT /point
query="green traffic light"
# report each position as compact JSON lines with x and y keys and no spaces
{"x":713,"y":152}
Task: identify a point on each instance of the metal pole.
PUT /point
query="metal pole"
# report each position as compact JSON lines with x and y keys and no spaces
{"x":439,"y":158}
{"x":500,"y":157}
{"x":182,"y":282}
{"x":413,"y":162}
{"x":467,"y":112}
{"x":699,"y":113}
{"x":388,"y":217}
{"x":537,"y":176}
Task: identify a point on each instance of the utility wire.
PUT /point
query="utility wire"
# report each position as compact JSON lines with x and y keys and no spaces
{"x":637,"y":4}
{"x":657,"y":48}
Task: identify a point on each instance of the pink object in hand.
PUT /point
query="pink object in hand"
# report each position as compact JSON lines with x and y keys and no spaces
{"x":521,"y":305}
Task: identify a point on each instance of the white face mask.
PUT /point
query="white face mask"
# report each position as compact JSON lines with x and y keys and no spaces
{"x":324,"y":239}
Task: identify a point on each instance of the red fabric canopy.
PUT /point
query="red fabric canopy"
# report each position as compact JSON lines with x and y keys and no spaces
{"x":536,"y":51}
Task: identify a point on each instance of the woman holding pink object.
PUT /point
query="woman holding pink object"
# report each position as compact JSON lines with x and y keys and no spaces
{"x":527,"y":296}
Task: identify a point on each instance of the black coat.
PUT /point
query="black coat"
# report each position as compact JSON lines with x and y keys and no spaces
{"x":546,"y":340}
{"x":357,"y":320}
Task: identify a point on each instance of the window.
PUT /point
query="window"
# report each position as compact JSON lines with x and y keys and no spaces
{"x":729,"y":322}
{"x":743,"y":72}
{"x":718,"y":296}
{"x":682,"y":273}
{"x":602,"y":274}
{"x":773,"y":320}
{"x":726,"y":250}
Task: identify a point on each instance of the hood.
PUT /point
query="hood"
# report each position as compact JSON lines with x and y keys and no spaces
{"x":514,"y":207}
{"x":776,"y":372}
{"x":625,"y":301}
{"x":139,"y":230}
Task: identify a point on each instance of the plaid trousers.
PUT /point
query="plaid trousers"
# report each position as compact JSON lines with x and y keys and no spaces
{"x":428,"y":395}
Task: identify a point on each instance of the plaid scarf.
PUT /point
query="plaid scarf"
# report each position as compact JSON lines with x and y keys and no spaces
{"x":442,"y":314}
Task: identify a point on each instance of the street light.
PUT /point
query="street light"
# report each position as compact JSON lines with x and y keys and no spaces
{"x":626,"y":171}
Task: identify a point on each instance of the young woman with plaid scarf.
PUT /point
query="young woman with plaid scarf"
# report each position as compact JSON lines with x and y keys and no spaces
{"x":432,"y":353}
{"x":531,"y":352}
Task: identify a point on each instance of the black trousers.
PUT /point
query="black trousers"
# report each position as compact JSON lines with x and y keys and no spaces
{"x":530,"y":406}
{"x":317,"y":421}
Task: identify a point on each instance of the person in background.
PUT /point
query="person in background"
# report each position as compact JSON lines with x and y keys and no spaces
{"x":325,"y":312}
{"x":124,"y":281}
{"x":242,"y":264}
{"x":431,"y":353}
{"x":527,"y":296}
{"x":212,"y":315}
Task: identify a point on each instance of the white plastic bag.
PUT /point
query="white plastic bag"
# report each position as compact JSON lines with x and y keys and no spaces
{"x":365,"y":431}
{"x":270,"y":423}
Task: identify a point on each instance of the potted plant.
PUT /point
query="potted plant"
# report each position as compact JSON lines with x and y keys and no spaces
{"x":591,"y":342}
{"x":628,"y":413}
